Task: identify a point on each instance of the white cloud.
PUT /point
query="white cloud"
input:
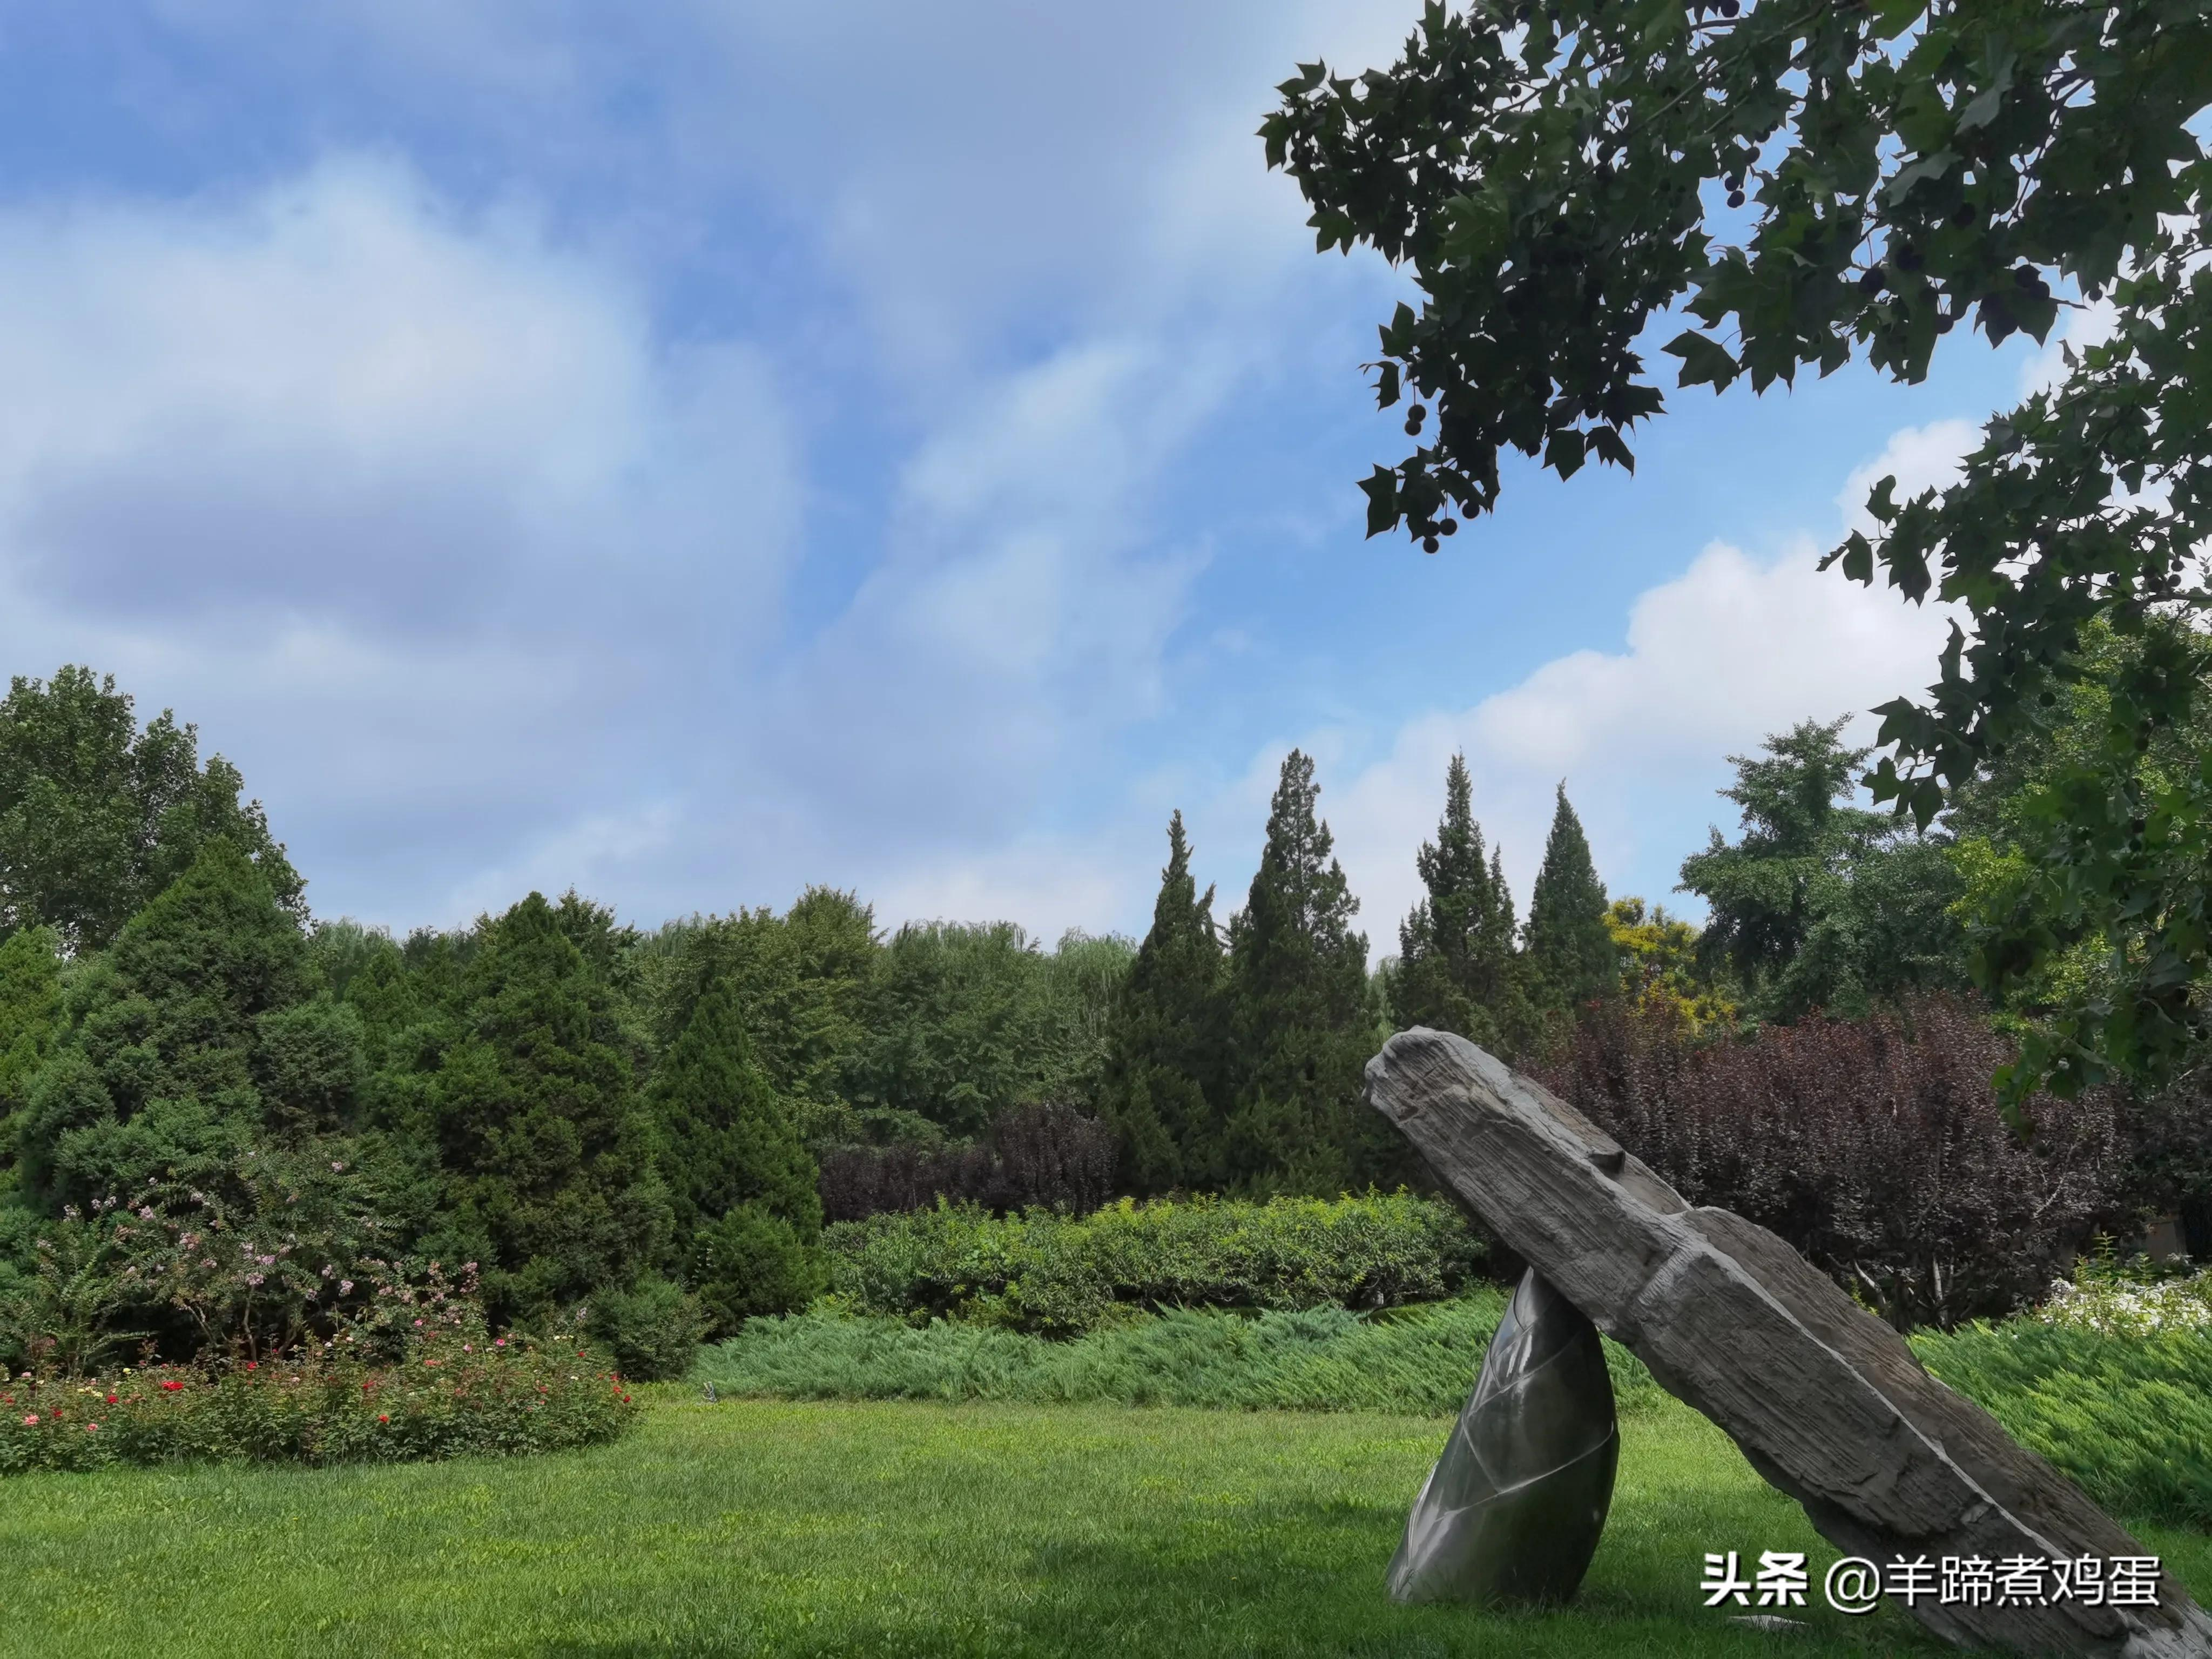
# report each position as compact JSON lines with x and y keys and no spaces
{"x":1918,"y":457}
{"x":408,"y":509}
{"x":1734,"y":649}
{"x":2091,"y":325}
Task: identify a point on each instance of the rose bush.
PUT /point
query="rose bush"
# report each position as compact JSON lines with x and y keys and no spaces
{"x":447,"y":1390}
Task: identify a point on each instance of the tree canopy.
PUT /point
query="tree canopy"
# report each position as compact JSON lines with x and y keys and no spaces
{"x":1164,"y":1065}
{"x":1455,"y":968}
{"x":97,"y":816}
{"x":1569,"y":948}
{"x":1299,"y":1024}
{"x":1822,"y":903}
{"x":1813,"y":184}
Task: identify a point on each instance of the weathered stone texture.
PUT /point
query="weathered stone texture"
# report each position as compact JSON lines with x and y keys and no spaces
{"x":1825,"y":1400}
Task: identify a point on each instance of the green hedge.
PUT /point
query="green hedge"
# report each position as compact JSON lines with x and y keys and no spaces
{"x":1414,"y":1361}
{"x":1058,"y":1275}
{"x":446,"y":1399}
{"x":2128,"y":1417}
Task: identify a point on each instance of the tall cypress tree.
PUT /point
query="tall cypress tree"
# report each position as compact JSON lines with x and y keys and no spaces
{"x":1455,"y":949}
{"x":1569,"y":949}
{"x":547,"y":1147}
{"x":741,"y":1185}
{"x":1299,"y":1008}
{"x":1163,"y":1045}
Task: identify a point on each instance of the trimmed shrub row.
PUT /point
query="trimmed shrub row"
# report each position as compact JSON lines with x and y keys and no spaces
{"x":1057,"y":1275}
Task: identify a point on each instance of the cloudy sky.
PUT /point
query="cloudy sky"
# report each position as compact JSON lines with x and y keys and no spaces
{"x":695,"y":449}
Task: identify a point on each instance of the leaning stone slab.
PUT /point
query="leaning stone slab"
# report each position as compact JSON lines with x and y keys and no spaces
{"x":1827,"y":1402}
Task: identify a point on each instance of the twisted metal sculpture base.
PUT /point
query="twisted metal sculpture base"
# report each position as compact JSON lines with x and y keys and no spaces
{"x":1514,"y":1507}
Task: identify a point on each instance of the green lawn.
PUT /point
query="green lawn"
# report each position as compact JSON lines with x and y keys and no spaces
{"x":752,"y":1527}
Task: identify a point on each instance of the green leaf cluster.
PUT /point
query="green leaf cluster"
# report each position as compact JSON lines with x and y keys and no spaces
{"x":1058,"y":1274}
{"x":1814,"y":184}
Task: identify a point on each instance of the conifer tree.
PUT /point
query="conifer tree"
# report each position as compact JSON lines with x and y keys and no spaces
{"x":547,"y":1147}
{"x":1163,"y":1046}
{"x":166,"y":1067}
{"x":1569,"y":949}
{"x":1455,"y":970}
{"x":1299,"y":1017}
{"x":730,"y":1145}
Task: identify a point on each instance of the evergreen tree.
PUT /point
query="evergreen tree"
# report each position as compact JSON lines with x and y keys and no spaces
{"x":195,"y":1040}
{"x":547,"y":1148}
{"x":97,"y":817}
{"x":1299,"y":1019}
{"x":1163,"y":1044}
{"x":30,"y":1021}
{"x":729,"y":1145}
{"x":804,"y":979}
{"x":1455,"y":968}
{"x":965,"y":1022}
{"x":1569,"y":948}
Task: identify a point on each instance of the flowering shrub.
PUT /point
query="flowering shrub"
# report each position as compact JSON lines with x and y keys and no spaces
{"x":2130,"y":1298}
{"x":285,"y":1248}
{"x":1056,"y":1275}
{"x":447,"y":1392}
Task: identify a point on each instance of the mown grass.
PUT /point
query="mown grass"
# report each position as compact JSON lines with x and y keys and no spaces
{"x":876,"y":1529}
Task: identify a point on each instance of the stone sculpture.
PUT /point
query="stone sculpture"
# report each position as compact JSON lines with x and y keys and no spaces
{"x":1827,"y":1402}
{"x":1514,"y":1507}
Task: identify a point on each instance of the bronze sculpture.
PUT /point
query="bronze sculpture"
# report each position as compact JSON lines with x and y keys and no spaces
{"x":1512,"y":1511}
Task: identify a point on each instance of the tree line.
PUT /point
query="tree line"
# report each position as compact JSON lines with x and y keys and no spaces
{"x":630,"y":1127}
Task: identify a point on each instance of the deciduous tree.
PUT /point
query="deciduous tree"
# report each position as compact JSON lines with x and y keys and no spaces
{"x":1813,"y":184}
{"x":97,"y":816}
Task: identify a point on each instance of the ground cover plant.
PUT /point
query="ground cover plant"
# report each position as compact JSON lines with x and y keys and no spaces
{"x":1414,"y":1361}
{"x":873,"y":1530}
{"x":1057,"y":1275}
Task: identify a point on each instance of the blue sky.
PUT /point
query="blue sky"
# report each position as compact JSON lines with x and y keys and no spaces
{"x":689,"y":451}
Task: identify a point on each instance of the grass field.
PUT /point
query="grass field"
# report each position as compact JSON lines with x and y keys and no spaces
{"x":768,"y":1528}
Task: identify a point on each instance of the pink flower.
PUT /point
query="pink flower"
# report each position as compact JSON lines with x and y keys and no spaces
{"x":501,"y":1343}
{"x":89,"y":1427}
{"x":32,"y":1421}
{"x":345,"y":1287}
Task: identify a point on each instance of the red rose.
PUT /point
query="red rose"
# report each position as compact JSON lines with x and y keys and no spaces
{"x":111,"y":1400}
{"x":170,"y":1385}
{"x":384,"y":1417}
